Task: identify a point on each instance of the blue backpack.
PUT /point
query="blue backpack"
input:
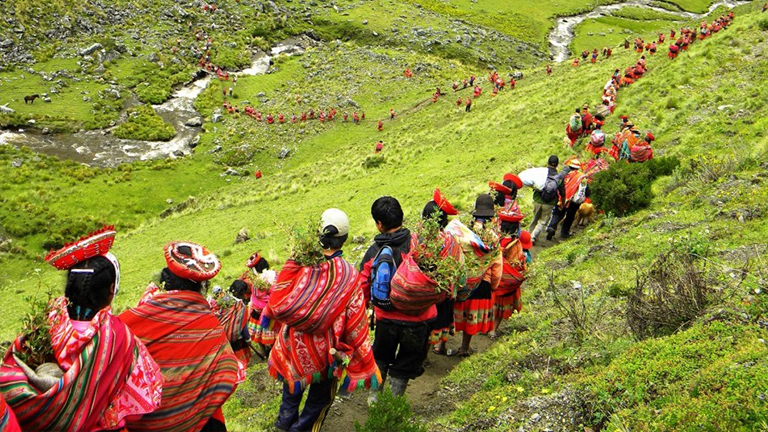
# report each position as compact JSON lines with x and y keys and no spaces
{"x":382,"y":270}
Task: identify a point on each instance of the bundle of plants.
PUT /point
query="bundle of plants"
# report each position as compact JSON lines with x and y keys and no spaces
{"x":261,"y":284}
{"x":430,"y":272}
{"x":481,"y":247}
{"x":36,"y":348}
{"x":304,"y":244}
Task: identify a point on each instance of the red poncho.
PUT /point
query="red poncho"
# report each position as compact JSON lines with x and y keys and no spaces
{"x":8,"y":421}
{"x":188,"y":343}
{"x":108,"y":376}
{"x":322,"y":307}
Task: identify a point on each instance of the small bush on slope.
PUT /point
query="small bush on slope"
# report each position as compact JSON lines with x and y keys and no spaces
{"x":144,"y":124}
{"x":390,"y":413}
{"x":626,"y":188}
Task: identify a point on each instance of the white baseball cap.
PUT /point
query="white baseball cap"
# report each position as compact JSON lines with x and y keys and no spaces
{"x":337,"y":219}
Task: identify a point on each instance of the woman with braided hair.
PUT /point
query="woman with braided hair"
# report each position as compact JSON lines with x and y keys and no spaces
{"x":100,"y":375}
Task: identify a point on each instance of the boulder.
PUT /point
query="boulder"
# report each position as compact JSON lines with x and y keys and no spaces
{"x":242,"y":236}
{"x":91,"y":49}
{"x":284,"y":152}
{"x":194,"y":122}
{"x":5,"y":110}
{"x":216,"y":117}
{"x":46,"y":131}
{"x":178,"y":153}
{"x":231,"y":172}
{"x":47,"y":99}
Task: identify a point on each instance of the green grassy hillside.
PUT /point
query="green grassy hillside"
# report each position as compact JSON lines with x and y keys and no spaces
{"x":555,"y":369}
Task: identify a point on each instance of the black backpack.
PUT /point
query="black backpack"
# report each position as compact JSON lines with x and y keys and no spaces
{"x":549,"y":191}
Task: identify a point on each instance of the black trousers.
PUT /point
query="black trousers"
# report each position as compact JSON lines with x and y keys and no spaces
{"x":567,"y":215}
{"x":319,"y":398}
{"x":400,"y":348}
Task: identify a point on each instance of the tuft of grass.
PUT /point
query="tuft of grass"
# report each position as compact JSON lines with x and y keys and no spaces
{"x":144,"y":124}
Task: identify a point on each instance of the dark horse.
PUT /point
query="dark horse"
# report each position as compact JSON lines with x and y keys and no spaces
{"x":30,"y":99}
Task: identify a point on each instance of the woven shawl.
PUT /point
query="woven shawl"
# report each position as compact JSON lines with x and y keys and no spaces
{"x":108,"y":375}
{"x":187,"y":341}
{"x":326,"y":301}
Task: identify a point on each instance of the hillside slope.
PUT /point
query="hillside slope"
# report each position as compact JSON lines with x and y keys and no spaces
{"x":707,"y":108}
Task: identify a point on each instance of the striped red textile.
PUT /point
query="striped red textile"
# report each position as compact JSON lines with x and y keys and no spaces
{"x":8,"y":421}
{"x":108,"y":376}
{"x":513,"y":269}
{"x":321,"y":307}
{"x":187,"y":341}
{"x":235,"y":319}
{"x":413,"y":292}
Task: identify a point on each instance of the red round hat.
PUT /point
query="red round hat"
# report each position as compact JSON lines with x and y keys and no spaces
{"x":525,"y":240}
{"x":191,"y":261}
{"x":95,"y":243}
{"x":499,"y":188}
{"x":514,"y":179}
{"x":650,"y":136}
{"x":443,"y":203}
{"x":253,"y":260}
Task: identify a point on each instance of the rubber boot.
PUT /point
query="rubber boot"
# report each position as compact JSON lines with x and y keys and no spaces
{"x":398,"y":385}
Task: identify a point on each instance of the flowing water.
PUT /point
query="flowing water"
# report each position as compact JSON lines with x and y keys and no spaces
{"x":562,"y":34}
{"x":102,"y":148}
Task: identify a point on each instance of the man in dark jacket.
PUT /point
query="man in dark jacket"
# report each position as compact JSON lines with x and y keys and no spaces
{"x":400,"y":341}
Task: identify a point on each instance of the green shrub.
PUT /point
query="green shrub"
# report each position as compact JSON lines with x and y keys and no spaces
{"x":663,"y":166}
{"x":374,"y":161}
{"x":623,"y":189}
{"x":763,"y":24}
{"x":144,"y":124}
{"x":390,"y":413}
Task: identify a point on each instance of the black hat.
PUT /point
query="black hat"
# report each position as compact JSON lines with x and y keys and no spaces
{"x":553,"y":160}
{"x":484,"y":207}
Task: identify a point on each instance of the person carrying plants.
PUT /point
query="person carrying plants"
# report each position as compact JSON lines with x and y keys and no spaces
{"x":200,"y":370}
{"x":468,"y":105}
{"x":380,"y":126}
{"x":574,"y":127}
{"x":473,"y":309}
{"x":49,"y":374}
{"x":586,"y":120}
{"x":231,"y":308}
{"x":260,"y":279}
{"x":442,"y":326}
{"x":400,"y":340}
{"x":379,"y":147}
{"x":325,"y":333}
{"x":641,"y":151}
{"x":507,"y":297}
{"x":545,"y":199}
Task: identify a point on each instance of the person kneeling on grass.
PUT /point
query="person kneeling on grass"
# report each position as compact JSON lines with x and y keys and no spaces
{"x":324,"y":334}
{"x":200,"y":370}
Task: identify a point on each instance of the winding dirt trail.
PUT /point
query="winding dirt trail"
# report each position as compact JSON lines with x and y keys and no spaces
{"x":422,"y":392}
